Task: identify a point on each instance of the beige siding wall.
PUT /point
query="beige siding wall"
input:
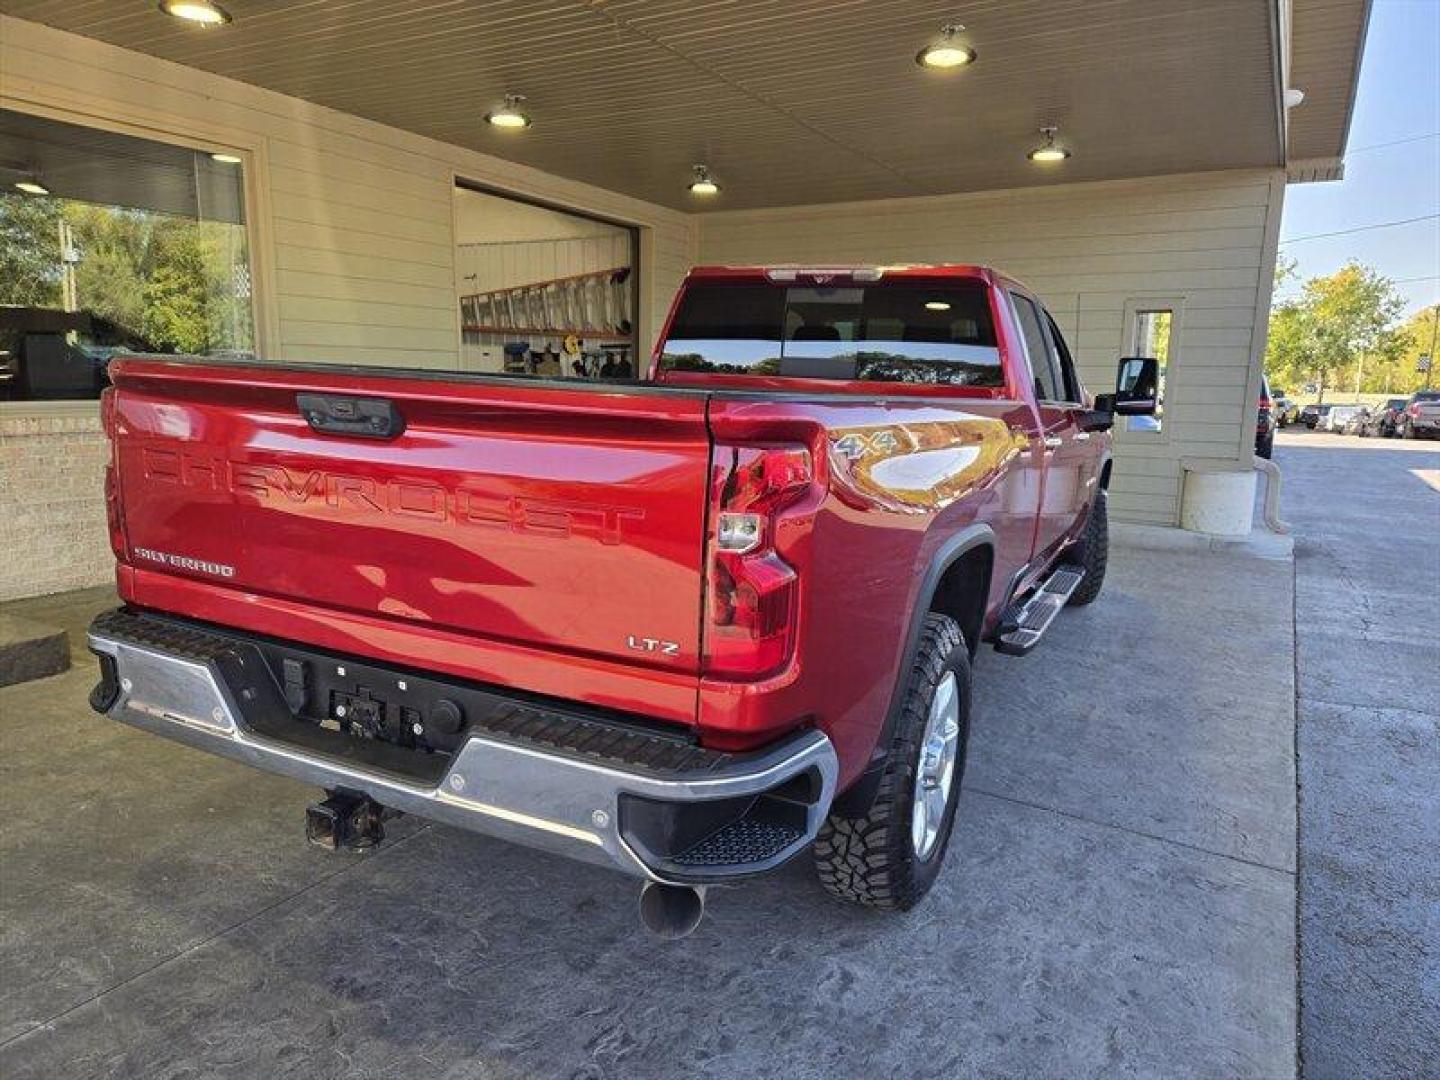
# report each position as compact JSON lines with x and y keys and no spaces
{"x":353,"y":252}
{"x":354,"y":229}
{"x":1206,"y":240}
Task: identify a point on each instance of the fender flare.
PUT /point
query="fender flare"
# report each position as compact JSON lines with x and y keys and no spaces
{"x":857,"y":798}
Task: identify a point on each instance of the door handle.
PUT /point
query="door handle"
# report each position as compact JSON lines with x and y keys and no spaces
{"x":1082,"y":436}
{"x":1053,"y":442}
{"x":337,"y":414}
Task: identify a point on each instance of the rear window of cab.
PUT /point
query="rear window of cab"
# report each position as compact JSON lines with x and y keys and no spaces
{"x":886,"y":332}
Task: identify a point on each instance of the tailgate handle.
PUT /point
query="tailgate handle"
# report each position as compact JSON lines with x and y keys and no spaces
{"x":364,"y":417}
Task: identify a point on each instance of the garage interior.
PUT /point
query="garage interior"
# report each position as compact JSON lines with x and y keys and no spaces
{"x":542,"y":291}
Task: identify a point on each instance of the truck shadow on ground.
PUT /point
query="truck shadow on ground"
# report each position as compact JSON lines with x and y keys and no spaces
{"x":1107,"y":906}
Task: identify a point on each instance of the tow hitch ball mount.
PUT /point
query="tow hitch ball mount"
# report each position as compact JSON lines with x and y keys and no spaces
{"x":343,"y":820}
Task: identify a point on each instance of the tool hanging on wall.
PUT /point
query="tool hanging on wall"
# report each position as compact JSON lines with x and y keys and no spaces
{"x":593,"y":305}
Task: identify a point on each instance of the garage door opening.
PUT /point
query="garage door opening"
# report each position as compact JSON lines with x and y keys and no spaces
{"x":544,"y":292}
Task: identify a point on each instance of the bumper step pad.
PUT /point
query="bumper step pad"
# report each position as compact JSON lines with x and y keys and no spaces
{"x":740,"y":843}
{"x":1023,"y":625}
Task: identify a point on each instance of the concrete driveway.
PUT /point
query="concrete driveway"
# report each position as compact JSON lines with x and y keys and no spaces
{"x":1367,"y":569}
{"x":1119,"y":901}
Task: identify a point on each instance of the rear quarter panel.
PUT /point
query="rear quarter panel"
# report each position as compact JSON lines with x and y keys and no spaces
{"x":901,"y":476}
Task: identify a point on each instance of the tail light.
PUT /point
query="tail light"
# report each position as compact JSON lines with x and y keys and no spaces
{"x":1413,"y":408}
{"x":114,"y":516}
{"x":753,"y":595}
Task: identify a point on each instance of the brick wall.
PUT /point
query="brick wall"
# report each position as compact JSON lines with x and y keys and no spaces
{"x":52,"y":504}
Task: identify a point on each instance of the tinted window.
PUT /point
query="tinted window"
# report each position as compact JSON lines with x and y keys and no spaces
{"x":890,"y":332}
{"x":1047,"y":382}
{"x":728,"y":329}
{"x":1427,"y":395}
{"x":1070,"y":380}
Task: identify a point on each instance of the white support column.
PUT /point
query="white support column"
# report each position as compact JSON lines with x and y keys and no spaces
{"x":1218,"y":503}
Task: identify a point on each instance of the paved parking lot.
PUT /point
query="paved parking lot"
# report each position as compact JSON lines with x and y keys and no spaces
{"x":1120,"y":899}
{"x":1367,"y":569}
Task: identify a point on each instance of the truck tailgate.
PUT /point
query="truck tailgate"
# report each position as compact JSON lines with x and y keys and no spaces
{"x":561,"y":519}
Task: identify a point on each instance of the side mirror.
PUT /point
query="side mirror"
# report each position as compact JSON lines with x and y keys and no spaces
{"x":1137,"y":386}
{"x":1136,"y":394}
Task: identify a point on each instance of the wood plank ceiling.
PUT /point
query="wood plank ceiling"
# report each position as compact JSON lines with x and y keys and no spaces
{"x":788,"y":101}
{"x":1325,"y":48}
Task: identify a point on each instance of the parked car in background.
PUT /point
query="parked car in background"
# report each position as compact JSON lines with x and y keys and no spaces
{"x":1313,"y":415}
{"x":50,"y":355}
{"x":1356,"y":422}
{"x":1286,"y":410}
{"x":1265,"y":422}
{"x":1384,"y":419}
{"x":1337,"y":417}
{"x":1421,"y":416}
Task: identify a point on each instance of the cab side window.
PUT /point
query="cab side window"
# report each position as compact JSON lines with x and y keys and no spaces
{"x":1069,"y":381}
{"x":1048,"y":386}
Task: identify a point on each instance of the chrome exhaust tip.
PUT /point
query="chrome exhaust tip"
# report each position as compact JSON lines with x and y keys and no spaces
{"x":671,"y":911}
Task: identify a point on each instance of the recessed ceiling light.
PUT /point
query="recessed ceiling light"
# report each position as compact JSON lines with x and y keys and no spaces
{"x":1047,"y":153}
{"x":32,"y":186}
{"x":197,"y":11}
{"x":949,"y":50}
{"x":510,"y":115}
{"x":703,"y":183}
{"x":936,"y":305}
{"x":225,"y":159}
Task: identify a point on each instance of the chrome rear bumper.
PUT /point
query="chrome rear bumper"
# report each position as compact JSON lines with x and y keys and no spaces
{"x":592,"y":810}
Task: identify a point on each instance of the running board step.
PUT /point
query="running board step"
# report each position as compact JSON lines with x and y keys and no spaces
{"x":1023,"y":625}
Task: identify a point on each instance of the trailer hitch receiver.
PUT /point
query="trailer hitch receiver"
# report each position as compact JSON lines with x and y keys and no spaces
{"x":344,"y":820}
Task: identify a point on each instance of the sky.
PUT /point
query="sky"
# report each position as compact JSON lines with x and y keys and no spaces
{"x":1398,"y":99}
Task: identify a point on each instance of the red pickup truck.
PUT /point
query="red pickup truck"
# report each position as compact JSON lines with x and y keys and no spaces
{"x":687,"y":627}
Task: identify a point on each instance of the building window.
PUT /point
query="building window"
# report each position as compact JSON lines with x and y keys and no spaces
{"x":1152,"y":329}
{"x":542,"y":291}
{"x":113,"y":244}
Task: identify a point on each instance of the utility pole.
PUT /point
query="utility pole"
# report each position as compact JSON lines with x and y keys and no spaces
{"x":69,"y":297}
{"x":1434,"y":325}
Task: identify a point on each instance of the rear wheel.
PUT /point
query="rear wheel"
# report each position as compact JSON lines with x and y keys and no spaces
{"x":1266,"y":447}
{"x":889,"y":856}
{"x":1093,"y":553}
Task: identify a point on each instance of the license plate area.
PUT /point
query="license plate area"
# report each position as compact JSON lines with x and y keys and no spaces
{"x":372,"y":703}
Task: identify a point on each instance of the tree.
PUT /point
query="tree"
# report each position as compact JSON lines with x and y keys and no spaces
{"x":1419,"y":339}
{"x":1289,"y":346}
{"x":176,"y":314}
{"x":30,"y":267}
{"x":115,"y":247}
{"x":1338,"y":321}
{"x":1284,"y":269}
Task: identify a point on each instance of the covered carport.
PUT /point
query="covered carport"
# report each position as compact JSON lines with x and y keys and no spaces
{"x":1122,"y":897}
{"x":358,"y":134}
